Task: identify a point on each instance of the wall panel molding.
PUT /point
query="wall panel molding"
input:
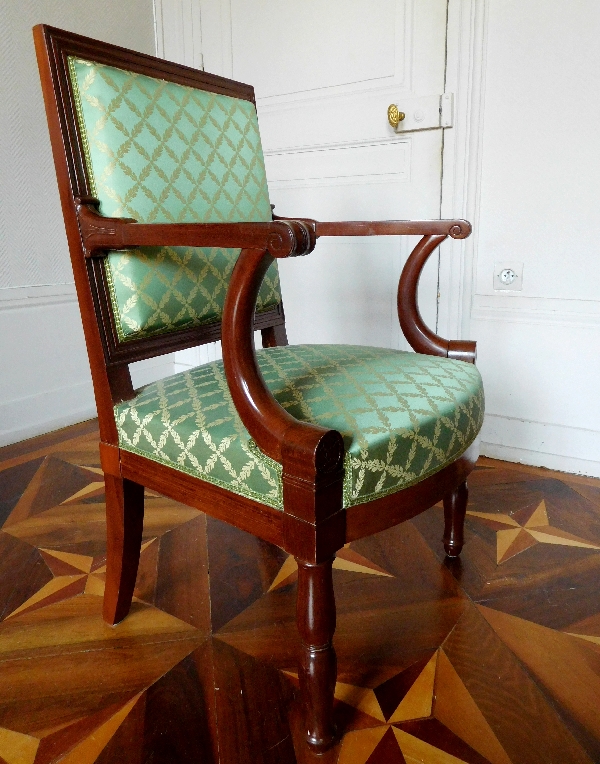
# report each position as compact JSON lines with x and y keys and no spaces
{"x":541,"y":444}
{"x":342,"y":164}
{"x":178,"y":25}
{"x":50,"y":384}
{"x":536,"y":310}
{"x":37,"y":295}
{"x":178,"y":31}
{"x":375,"y":61}
{"x":216,"y":48}
{"x":45,"y":411}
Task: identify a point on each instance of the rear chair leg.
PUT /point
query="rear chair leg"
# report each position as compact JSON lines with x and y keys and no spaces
{"x":274,"y":336}
{"x":315,"y":617}
{"x":124,"y":522}
{"x":455,"y":508}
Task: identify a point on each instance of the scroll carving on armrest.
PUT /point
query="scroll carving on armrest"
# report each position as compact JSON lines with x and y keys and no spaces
{"x":286,"y":238}
{"x":307,"y":450}
{"x":420,"y":337}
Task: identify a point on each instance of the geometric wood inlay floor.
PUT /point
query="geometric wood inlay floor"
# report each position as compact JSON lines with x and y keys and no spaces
{"x":490,"y":659}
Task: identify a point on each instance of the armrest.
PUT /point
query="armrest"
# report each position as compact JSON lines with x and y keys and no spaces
{"x":434,"y":232}
{"x":305,"y":450}
{"x":457,"y":229}
{"x":288,"y":238}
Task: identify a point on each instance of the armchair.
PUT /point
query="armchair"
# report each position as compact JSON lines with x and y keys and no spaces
{"x":307,"y":447}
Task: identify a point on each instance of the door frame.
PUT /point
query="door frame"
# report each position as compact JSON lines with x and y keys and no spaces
{"x":462,"y":157}
{"x":178,"y":25}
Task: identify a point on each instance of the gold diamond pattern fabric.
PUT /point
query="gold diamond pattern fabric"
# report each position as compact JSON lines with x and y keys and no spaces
{"x":403,"y":417}
{"x":161,"y":152}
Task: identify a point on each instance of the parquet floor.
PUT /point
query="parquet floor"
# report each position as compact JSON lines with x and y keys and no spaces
{"x":495,"y":658}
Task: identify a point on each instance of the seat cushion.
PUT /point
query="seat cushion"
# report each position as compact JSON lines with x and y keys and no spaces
{"x":403,"y":417}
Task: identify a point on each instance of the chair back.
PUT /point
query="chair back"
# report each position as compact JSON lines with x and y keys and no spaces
{"x":162,"y":152}
{"x":160,"y":143}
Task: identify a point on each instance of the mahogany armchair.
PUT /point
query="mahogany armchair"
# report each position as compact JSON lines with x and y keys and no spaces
{"x":308,"y":447}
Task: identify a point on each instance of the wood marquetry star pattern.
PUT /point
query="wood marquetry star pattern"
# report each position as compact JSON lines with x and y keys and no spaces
{"x":491,"y":659}
{"x":512,"y":537}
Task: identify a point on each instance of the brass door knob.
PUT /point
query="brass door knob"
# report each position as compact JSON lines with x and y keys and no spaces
{"x":394,"y":115}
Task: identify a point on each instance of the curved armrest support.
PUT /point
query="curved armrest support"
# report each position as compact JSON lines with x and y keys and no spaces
{"x":305,"y":450}
{"x":418,"y":334}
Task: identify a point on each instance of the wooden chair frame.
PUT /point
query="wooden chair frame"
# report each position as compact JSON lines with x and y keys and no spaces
{"x":313,"y":524}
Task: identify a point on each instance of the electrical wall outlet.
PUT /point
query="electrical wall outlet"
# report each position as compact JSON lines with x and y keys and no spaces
{"x":508,"y":276}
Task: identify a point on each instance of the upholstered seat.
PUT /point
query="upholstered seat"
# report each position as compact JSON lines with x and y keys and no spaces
{"x":403,"y":417}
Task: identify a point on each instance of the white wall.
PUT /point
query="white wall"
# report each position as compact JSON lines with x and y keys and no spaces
{"x":538,"y":205}
{"x":44,"y":374}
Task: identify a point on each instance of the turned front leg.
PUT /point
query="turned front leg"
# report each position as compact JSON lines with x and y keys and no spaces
{"x":315,"y":616}
{"x":455,"y":508}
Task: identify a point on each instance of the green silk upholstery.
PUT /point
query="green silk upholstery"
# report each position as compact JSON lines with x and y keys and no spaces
{"x":161,"y":152}
{"x":403,"y":417}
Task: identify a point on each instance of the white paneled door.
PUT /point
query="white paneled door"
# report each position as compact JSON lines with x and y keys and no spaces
{"x":325,"y":72}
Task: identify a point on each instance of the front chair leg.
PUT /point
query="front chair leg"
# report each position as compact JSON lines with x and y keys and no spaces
{"x":455,"y":508}
{"x":124,"y":523}
{"x":315,"y":616}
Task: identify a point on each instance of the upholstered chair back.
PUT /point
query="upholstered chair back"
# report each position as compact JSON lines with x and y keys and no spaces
{"x":161,"y":152}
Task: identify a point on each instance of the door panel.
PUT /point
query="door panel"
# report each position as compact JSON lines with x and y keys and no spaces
{"x":325,"y":72}
{"x":311,"y":45}
{"x":346,"y":290}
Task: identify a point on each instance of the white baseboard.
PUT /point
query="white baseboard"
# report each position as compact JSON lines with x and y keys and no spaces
{"x":45,"y":381}
{"x":30,"y":416}
{"x":36,"y":414}
{"x":557,"y":447}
